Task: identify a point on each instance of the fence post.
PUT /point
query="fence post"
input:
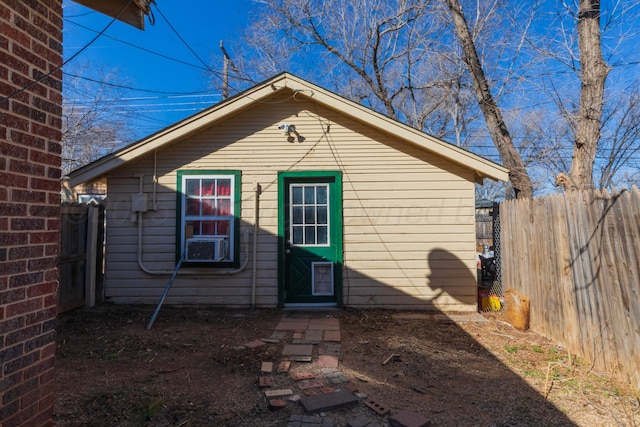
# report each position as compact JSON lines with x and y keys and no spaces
{"x":91,"y":260}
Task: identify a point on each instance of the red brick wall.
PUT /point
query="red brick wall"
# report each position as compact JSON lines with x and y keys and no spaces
{"x":30,"y":122}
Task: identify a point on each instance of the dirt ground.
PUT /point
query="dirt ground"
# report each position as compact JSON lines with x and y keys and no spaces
{"x":193,"y":369}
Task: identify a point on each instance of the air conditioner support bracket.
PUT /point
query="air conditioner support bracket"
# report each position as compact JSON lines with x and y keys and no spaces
{"x":164,"y":294}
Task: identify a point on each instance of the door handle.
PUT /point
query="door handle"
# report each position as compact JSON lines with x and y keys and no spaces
{"x":287,"y":251}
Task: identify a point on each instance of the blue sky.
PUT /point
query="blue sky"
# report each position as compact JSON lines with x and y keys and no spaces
{"x":202,"y":24}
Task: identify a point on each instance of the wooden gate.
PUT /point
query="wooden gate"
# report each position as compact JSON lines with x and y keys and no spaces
{"x":80,"y":261}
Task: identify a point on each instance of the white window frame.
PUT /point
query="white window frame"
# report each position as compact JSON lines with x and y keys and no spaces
{"x":184,"y":218}
{"x":315,"y":204}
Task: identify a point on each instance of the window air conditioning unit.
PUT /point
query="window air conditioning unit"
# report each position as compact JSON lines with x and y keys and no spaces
{"x":207,"y":249}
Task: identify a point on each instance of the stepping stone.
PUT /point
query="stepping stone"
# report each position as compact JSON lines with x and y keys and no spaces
{"x":408,"y":419}
{"x":338,"y":380}
{"x":292,"y":325}
{"x":278,"y":335}
{"x":331,"y":349}
{"x":328,"y":401}
{"x":306,"y":384}
{"x":361,"y":421}
{"x":254,"y":344}
{"x":305,"y":341}
{"x":325,"y":361}
{"x":313,"y":335}
{"x":331,"y":336}
{"x":297,"y":350}
{"x":351,"y":387}
{"x":378,"y":408}
{"x":335,"y":377}
{"x":267,"y":367}
{"x":310,"y":421}
{"x":264,"y":381}
{"x":331,"y":372}
{"x":279,"y":393}
{"x":284,"y":366}
{"x":302,"y":376}
{"x":328,"y":324}
{"x":316,"y":391}
{"x":277,"y":403}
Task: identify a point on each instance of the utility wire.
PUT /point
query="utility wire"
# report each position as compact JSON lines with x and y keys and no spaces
{"x":150,"y":99}
{"x":131,"y":88}
{"x":215,"y":73}
{"x":162,"y":55}
{"x":74,"y":56}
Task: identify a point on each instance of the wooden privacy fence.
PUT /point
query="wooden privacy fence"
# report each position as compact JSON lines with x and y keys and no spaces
{"x":80,"y":258}
{"x":577,"y":256}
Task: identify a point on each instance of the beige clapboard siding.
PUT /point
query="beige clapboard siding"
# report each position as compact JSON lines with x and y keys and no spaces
{"x":376,"y":252}
{"x":411,"y":271}
{"x":400,"y":204}
{"x":401,"y":302}
{"x":147,"y":290}
{"x":435,"y":204}
{"x":402,"y":216}
{"x":428,"y":291}
{"x":422,"y":289}
{"x":418,"y":290}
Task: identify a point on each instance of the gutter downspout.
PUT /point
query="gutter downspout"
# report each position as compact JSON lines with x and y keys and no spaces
{"x":254,"y":267}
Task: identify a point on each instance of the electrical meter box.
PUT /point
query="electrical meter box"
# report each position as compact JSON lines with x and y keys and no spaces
{"x":139,"y":202}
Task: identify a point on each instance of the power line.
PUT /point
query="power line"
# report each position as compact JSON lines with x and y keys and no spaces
{"x":81,"y":14}
{"x":217,"y":74}
{"x":75,"y":55}
{"x":131,"y":88}
{"x":145,"y":98}
{"x":111,"y":103}
{"x":170,"y":58}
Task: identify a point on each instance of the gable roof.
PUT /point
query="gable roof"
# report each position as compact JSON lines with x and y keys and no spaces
{"x":482,"y":167}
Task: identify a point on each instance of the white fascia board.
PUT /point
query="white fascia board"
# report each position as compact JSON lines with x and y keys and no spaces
{"x":169,"y":135}
{"x":481,"y":166}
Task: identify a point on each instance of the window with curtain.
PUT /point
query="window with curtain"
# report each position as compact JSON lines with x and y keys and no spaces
{"x":208,"y":210}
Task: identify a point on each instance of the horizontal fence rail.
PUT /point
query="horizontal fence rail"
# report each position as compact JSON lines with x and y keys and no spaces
{"x":577,"y":257}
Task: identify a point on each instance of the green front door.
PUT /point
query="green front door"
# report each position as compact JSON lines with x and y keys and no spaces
{"x":310,"y":236}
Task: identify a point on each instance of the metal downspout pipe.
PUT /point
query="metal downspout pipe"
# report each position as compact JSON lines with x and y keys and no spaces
{"x":254,"y":268}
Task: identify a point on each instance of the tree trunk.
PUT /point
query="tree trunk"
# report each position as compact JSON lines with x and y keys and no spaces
{"x":594,"y":73}
{"x":497,"y":128}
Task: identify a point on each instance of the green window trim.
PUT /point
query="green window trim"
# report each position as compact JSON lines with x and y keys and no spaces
{"x":181,"y":217}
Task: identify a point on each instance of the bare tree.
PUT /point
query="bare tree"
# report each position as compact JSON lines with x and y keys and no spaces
{"x":402,"y":58}
{"x":387,"y":55}
{"x":94,"y":122}
{"x":620,"y":142}
{"x":586,"y":118}
{"x":593,"y":71}
{"x":398,"y":57}
{"x":497,"y":127}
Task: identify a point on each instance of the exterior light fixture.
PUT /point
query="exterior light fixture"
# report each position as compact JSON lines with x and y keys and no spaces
{"x":287,"y":129}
